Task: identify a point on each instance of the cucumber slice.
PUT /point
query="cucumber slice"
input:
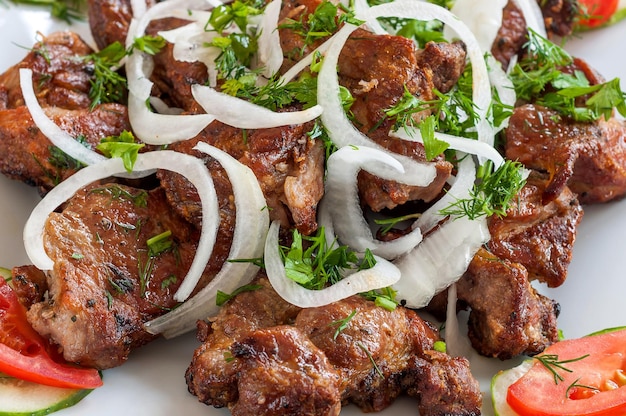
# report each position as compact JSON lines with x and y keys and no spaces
{"x":22,"y":398}
{"x":500,"y":384}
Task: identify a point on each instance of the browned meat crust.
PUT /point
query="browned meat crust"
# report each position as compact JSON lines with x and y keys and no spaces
{"x":511,"y":36}
{"x":508,"y":317}
{"x":281,"y":372}
{"x":538,"y":235}
{"x":98,"y":295}
{"x":60,"y":76}
{"x":590,"y":158}
{"x":559,"y":16}
{"x":109,"y":20}
{"x":288,"y":164}
{"x":30,"y":157}
{"x":375,"y":358}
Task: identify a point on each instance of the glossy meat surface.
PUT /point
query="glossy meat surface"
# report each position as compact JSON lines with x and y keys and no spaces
{"x":106,"y":282}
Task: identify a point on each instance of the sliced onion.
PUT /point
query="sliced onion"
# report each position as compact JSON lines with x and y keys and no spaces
{"x":471,"y":146}
{"x":483,"y":17}
{"x":439,"y":260}
{"x":54,"y":133}
{"x":461,"y":187}
{"x":270,"y":51}
{"x":303,"y":63}
{"x":342,"y":200}
{"x":190,"y":167}
{"x":251,"y":224}
{"x":457,"y":345}
{"x":149,"y":127}
{"x":383,"y":274}
{"x":502,"y":84}
{"x":246,"y":115}
{"x":340,"y":129}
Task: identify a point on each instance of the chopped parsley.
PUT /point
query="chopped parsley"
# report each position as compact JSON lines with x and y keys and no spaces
{"x":540,"y":78}
{"x":122,"y":146}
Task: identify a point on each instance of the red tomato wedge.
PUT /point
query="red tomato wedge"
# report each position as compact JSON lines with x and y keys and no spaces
{"x":598,"y":11}
{"x":592,"y":380}
{"x":24,"y":353}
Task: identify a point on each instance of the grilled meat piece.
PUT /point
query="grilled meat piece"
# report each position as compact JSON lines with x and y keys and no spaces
{"x":281,"y":372}
{"x":559,"y":16}
{"x":590,"y":158}
{"x":109,"y":20}
{"x":511,"y":36}
{"x":287,"y":162}
{"x":508,"y":317}
{"x":538,"y":235}
{"x":377,"y":69}
{"x":380,"y":354}
{"x":212,"y":378}
{"x":60,"y":76}
{"x":30,"y":157}
{"x":106,"y":282}
{"x":399,"y":343}
{"x":29,"y":284}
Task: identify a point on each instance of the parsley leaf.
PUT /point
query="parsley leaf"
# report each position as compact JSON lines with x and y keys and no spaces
{"x":122,"y":146}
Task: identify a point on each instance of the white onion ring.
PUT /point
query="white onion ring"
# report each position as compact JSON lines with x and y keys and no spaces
{"x":383,"y":274}
{"x":54,"y":133}
{"x":341,"y":199}
{"x":483,"y":17}
{"x":251,"y":224}
{"x":149,"y":127}
{"x":270,"y":51}
{"x":533,"y":16}
{"x":439,"y":260}
{"x":190,"y":167}
{"x":246,"y":115}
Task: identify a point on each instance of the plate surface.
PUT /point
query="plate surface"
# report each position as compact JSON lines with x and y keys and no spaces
{"x":152,"y":381}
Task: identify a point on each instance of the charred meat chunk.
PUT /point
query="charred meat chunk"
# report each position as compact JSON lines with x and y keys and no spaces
{"x":106,"y":281}
{"x":281,"y":372}
{"x":109,"y":20}
{"x":511,"y":36}
{"x":538,"y":235}
{"x":590,"y":158}
{"x":30,"y":157}
{"x":559,"y":16}
{"x":372,"y":359}
{"x":212,"y":378}
{"x":508,"y":317}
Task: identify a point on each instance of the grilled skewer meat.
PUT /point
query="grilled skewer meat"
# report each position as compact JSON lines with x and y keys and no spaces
{"x":375,"y":358}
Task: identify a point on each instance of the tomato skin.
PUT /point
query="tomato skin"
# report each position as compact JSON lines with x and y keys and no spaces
{"x":24,"y":353}
{"x":537,"y":394}
{"x":599,"y":11}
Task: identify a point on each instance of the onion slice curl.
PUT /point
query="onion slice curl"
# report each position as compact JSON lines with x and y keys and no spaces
{"x":251,"y":224}
{"x":383,"y":274}
{"x":189,"y":166}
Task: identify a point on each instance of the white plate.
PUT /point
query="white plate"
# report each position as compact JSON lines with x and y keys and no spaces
{"x":152,"y":381}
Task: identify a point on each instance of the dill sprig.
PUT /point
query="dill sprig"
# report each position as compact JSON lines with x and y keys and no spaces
{"x":554,"y":365}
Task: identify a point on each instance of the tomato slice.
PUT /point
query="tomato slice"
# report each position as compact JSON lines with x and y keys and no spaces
{"x":599,"y":11}
{"x":593,"y":385}
{"x":24,"y":354}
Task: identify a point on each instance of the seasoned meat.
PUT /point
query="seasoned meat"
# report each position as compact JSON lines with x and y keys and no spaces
{"x":60,"y":76}
{"x":508,"y":317}
{"x":377,"y":69}
{"x":109,"y":20}
{"x":106,"y":282}
{"x":212,"y":378}
{"x":287,"y":162}
{"x":281,"y":372}
{"x":380,"y":354}
{"x":30,"y":157}
{"x":590,"y":158}
{"x":538,"y":235}
{"x":29,"y":284}
{"x":444,"y":385}
{"x":559,"y":16}
{"x":511,"y":36}
{"x":377,"y":356}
